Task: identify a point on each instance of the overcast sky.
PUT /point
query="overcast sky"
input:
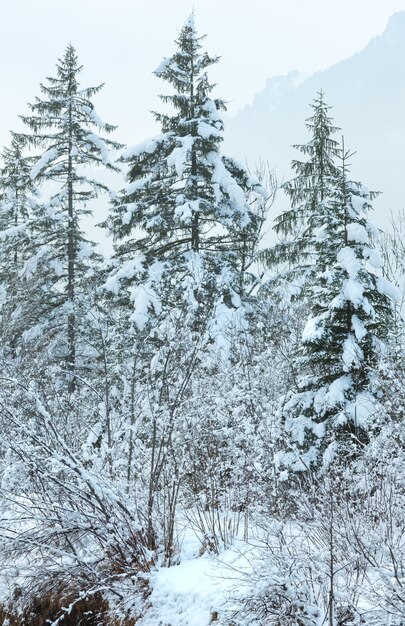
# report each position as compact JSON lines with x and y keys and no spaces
{"x":121,"y":42}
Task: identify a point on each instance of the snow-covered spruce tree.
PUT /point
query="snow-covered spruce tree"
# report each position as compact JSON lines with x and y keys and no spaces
{"x":335,"y":408}
{"x":179,"y":228}
{"x":290,"y":264}
{"x":307,"y":192}
{"x":65,"y":124}
{"x":187,"y":200}
{"x":17,"y":197}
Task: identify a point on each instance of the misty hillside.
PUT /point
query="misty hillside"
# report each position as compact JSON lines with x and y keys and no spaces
{"x":367,"y":92}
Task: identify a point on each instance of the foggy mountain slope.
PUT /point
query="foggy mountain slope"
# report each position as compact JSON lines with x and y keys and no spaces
{"x":367,"y":92}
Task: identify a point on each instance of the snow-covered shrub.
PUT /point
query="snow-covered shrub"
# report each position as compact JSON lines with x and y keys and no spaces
{"x":283,"y":589}
{"x":66,"y":530}
{"x":375,"y":530}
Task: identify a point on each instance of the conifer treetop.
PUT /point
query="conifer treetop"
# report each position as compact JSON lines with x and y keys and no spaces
{"x":65,"y":122}
{"x":308,"y":192}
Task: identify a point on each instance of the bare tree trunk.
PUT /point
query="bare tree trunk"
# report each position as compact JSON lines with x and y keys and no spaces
{"x":195,"y":227}
{"x":131,"y":425}
{"x":331,"y":605}
{"x":71,"y":330}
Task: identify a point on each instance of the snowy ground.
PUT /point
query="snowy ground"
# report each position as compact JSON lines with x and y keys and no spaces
{"x":191,"y":593}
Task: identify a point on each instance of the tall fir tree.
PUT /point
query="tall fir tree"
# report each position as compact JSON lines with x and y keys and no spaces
{"x":64,"y":123}
{"x":17,"y":199}
{"x":184,"y":212}
{"x":179,"y":228}
{"x":290,"y":265}
{"x":308,"y":191}
{"x":336,"y":406}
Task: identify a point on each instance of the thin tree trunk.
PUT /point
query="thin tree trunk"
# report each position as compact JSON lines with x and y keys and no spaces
{"x":71,"y":330}
{"x":131,"y":428}
{"x":13,"y":341}
{"x":195,"y":226}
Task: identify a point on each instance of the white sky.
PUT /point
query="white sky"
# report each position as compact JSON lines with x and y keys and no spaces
{"x":120,"y":42}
